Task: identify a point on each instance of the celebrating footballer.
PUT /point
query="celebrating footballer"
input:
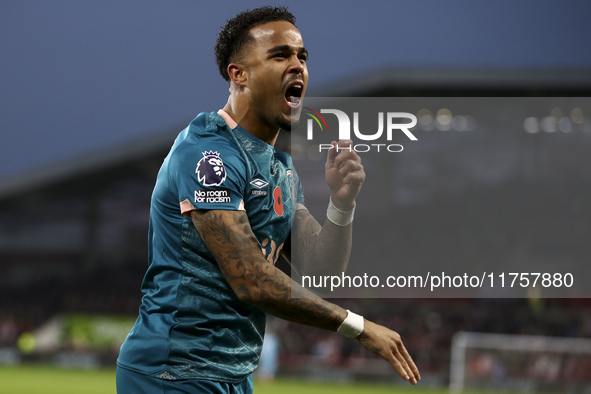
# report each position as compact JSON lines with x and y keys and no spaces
{"x":224,"y":209}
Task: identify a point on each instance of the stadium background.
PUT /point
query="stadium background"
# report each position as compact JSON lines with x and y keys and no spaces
{"x":94,"y":93}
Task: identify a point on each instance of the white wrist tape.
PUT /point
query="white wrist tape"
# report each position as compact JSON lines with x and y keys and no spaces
{"x":338,"y":217}
{"x":352,"y":326}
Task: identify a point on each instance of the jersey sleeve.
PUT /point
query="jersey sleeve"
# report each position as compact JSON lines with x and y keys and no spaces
{"x":210,"y":177}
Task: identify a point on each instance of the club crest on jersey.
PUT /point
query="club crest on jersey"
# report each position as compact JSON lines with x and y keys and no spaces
{"x":210,"y":170}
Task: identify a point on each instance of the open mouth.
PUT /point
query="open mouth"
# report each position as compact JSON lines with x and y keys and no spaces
{"x":293,"y":94}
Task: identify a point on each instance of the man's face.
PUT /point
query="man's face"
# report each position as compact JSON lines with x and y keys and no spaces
{"x":278,"y":76}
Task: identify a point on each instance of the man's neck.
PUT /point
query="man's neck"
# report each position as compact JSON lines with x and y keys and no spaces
{"x":240,"y":115}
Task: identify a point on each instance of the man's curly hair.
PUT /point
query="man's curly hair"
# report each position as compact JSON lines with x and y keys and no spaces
{"x":235,"y":35}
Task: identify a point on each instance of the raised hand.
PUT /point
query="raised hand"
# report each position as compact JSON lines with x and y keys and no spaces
{"x":344,"y":174}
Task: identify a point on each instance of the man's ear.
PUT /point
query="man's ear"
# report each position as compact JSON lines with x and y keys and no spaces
{"x":237,"y":73}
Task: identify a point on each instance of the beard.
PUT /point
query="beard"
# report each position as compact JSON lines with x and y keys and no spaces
{"x":288,"y":126}
{"x":293,"y":123}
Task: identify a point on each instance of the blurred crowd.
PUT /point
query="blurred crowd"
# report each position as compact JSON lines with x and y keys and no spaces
{"x":427,"y":326}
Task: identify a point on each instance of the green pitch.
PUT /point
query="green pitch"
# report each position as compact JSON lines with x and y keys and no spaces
{"x":45,"y":380}
{"x":38,"y":380}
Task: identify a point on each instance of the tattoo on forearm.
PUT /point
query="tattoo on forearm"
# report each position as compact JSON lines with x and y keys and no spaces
{"x":316,"y":249}
{"x":230,"y":239}
{"x":306,"y":230}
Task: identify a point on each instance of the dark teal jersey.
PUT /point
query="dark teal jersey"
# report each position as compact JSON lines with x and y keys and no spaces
{"x":191,"y":324}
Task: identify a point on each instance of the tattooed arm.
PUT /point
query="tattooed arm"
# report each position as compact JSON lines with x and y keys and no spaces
{"x":229,"y":237}
{"x":325,"y":250}
{"x":315,"y":249}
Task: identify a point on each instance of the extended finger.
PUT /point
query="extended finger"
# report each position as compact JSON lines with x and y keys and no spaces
{"x":409,"y":361}
{"x":400,"y":367}
{"x":332,"y":154}
{"x":399,"y":353}
{"x":345,"y":143}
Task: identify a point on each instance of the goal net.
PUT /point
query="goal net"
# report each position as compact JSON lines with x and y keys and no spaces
{"x":520,"y":363}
